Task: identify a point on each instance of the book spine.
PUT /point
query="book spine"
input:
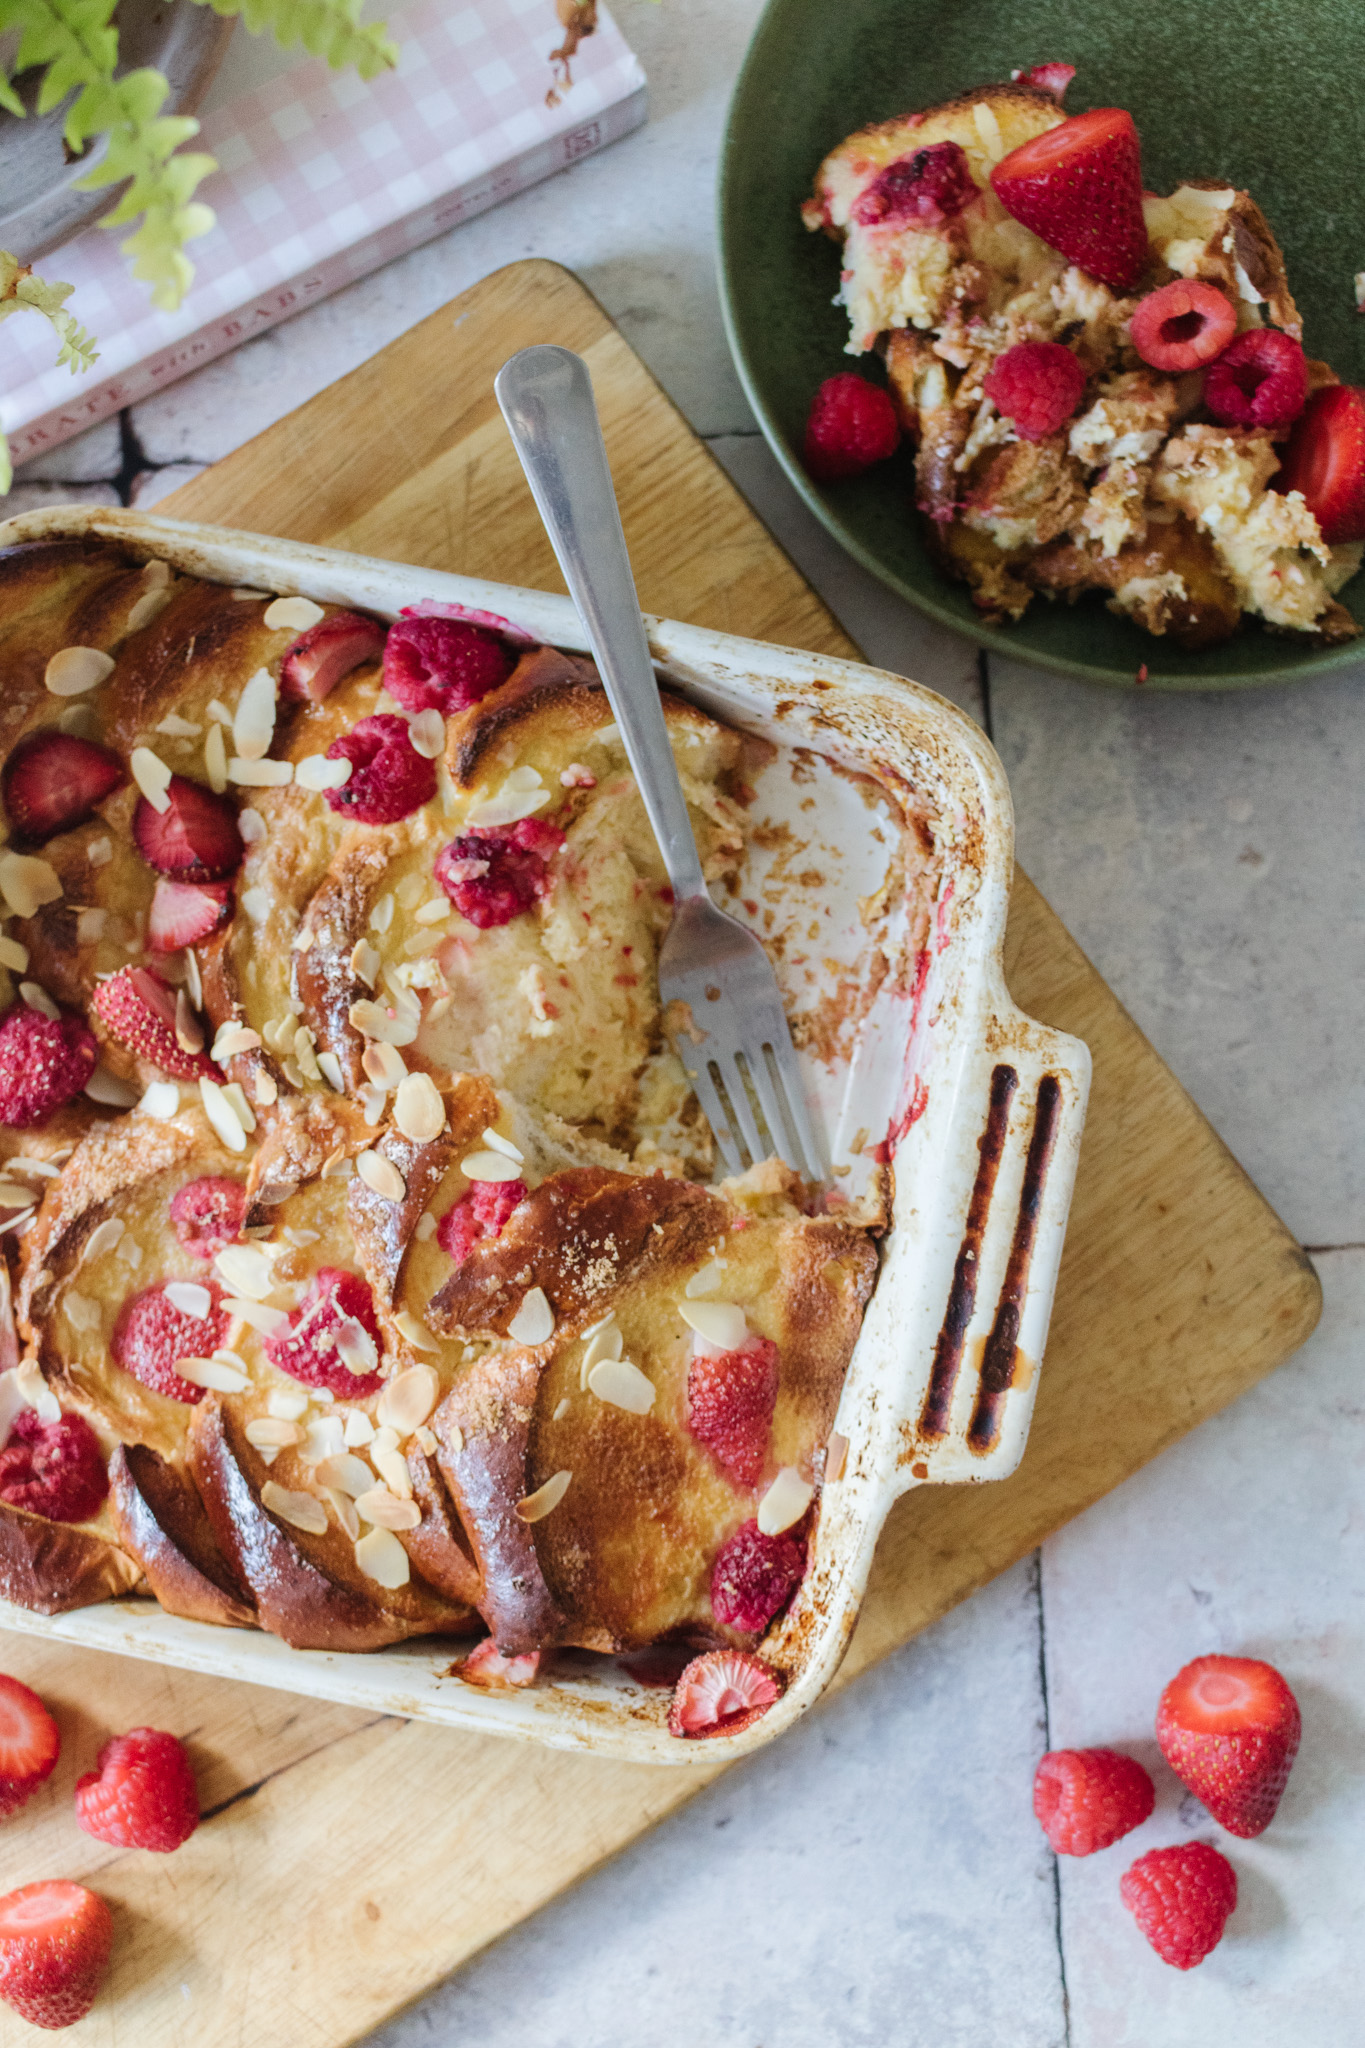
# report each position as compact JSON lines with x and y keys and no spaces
{"x":319,"y":280}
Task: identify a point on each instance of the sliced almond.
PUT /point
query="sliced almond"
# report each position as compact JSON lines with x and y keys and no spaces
{"x":605,"y":1341}
{"x":382,"y":1558}
{"x":407,"y":1399}
{"x":418,"y":1110}
{"x":355,"y":1347}
{"x":345,"y":1471}
{"x":386,"y":1437}
{"x":90,"y":926}
{"x":193,"y":979}
{"x":291,"y":614}
{"x":392,"y":1468}
{"x":384,"y":1064}
{"x":417,"y":1334}
{"x":427,"y":731}
{"x":489,"y":1166}
{"x":496,"y":1142}
{"x":258,"y":774}
{"x":81,"y":1313}
{"x":36,"y":998}
{"x":234,"y":1038}
{"x":101,"y":1240}
{"x":250,"y":823}
{"x":263,"y":1430}
{"x":388,"y":1510}
{"x":266,"y":1320}
{"x":189,"y":1032}
{"x":177,"y":728}
{"x":316,"y":772}
{"x":266,"y":1088}
{"x":301,"y":1510}
{"x":622,"y":1385}
{"x":382,"y":1175}
{"x":303,"y":1052}
{"x":536,"y":1506}
{"x":190,"y":1298}
{"x":534,"y":1321}
{"x":247,"y":1270}
{"x":13,"y":1196}
{"x":329,"y":1066}
{"x":561,"y":1410}
{"x":257,"y":904}
{"x":152,"y":777}
{"x":253,"y":726}
{"x":160,"y":1100}
{"x":705,"y":1281}
{"x":27,"y":883}
{"x":29,"y":1381}
{"x":110,"y":1090}
{"x":454,"y":1436}
{"x":836,"y":1457}
{"x":74,"y":670}
{"x":216,"y":760}
{"x":215,"y":1376}
{"x":290,"y":1404}
{"x":343,"y":1507}
{"x":425,"y":1441}
{"x":365,"y":962}
{"x":324,"y":1438}
{"x":372,"y":1020}
{"x":381,"y":917}
{"x":13,"y":955}
{"x":359,"y":1429}
{"x":785,"y":1501}
{"x":426,"y":1227}
{"x":717,"y":1322}
{"x":222,"y":1115}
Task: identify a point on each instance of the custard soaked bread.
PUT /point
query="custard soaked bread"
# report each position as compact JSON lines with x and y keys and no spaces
{"x":365,"y":1281}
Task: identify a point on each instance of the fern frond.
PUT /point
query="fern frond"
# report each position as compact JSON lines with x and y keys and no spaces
{"x":325,"y":28}
{"x":21,"y":291}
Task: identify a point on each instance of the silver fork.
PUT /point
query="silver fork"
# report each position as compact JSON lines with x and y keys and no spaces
{"x":722,"y":1009}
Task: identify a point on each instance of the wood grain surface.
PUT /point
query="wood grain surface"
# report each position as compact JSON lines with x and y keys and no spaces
{"x":349,"y":1863}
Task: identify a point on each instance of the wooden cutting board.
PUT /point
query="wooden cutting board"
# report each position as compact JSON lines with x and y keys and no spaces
{"x":349,"y":1863}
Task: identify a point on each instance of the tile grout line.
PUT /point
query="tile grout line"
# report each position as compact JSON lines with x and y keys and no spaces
{"x":1037,"y":1571}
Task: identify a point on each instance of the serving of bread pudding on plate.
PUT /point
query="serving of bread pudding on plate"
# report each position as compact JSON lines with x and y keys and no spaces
{"x":1105,"y":389}
{"x":364,"y":1275}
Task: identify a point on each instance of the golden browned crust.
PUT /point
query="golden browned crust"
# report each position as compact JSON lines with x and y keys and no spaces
{"x":51,"y":1567}
{"x":162,"y":1524}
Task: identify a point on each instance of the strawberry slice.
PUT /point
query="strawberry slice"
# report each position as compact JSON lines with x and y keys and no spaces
{"x":722,"y":1693}
{"x":184,"y":912}
{"x":138,"y":1008}
{"x":55,"y":1939}
{"x":195,"y":839}
{"x":327,"y":652}
{"x":29,"y":1744}
{"x":1229,"y":1729}
{"x":485,"y":1665}
{"x":53,"y":781}
{"x":1079,"y":187}
{"x":1325,"y":460}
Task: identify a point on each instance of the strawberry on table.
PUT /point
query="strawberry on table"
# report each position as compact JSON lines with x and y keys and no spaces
{"x":55,"y":1939}
{"x":1229,"y":1729}
{"x":1085,"y":1799}
{"x":29,"y":1744}
{"x":1079,"y":187}
{"x":1181,"y":1899}
{"x":141,"y":1795}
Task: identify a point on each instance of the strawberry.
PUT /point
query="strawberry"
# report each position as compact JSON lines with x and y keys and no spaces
{"x":138,"y":1008}
{"x":481,"y":1212}
{"x":1183,"y":325}
{"x":1325,"y":460}
{"x":44,"y":1064}
{"x":486,"y":1665}
{"x":327,"y":653}
{"x":493,"y":875}
{"x":1087,"y":1798}
{"x":722,"y":1693}
{"x":208,"y":1214}
{"x":445,"y":665}
{"x":1049,"y":78}
{"x":1229,"y":1729}
{"x":55,"y":1939}
{"x":307,"y":1348}
{"x":54,"y":1469}
{"x":754,"y":1577}
{"x":1079,"y":187}
{"x":29,"y":1744}
{"x":152,"y":1335}
{"x":730,"y":1400}
{"x":53,"y":781}
{"x":195,"y":839}
{"x":1181,"y":1899}
{"x":182,"y":913}
{"x":141,"y":1794}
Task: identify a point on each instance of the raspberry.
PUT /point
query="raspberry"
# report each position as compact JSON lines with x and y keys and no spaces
{"x":929,"y":186}
{"x":722,"y":1693}
{"x":389,"y":778}
{"x":141,"y":1794}
{"x":443,"y":665}
{"x":1087,"y":1798}
{"x":1260,"y":380}
{"x":1229,"y":1729}
{"x":29,"y":1745}
{"x":335,"y":1319}
{"x":852,"y":426}
{"x":208,"y":1214}
{"x":480,"y":1212}
{"x":731,"y":1396}
{"x":754,"y":1577}
{"x":54,"y":1469}
{"x":54,"y":1950}
{"x":486,"y":1665}
{"x":44,"y":1063}
{"x":1181,"y":1899}
{"x":1183,"y":325}
{"x":152,"y":1335}
{"x":492,"y":876}
{"x":1038,"y":385}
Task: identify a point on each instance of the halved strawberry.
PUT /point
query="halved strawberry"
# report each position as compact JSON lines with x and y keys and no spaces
{"x":1229,"y":1729}
{"x":722,"y":1693}
{"x":195,"y":839}
{"x":486,"y":1665}
{"x":29,"y":1744}
{"x":1325,"y":460}
{"x":1079,"y":187}
{"x":138,"y":1008}
{"x":184,"y":912}
{"x":53,"y":781}
{"x":327,"y":652}
{"x":55,"y":1939}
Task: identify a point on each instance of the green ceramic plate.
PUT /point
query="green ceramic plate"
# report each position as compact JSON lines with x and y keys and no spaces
{"x":1267,"y":94}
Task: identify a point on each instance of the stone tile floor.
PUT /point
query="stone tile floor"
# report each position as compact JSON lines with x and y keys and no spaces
{"x":878,"y":1877}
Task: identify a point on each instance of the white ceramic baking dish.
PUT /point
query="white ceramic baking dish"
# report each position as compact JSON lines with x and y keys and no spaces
{"x":982,"y":1108}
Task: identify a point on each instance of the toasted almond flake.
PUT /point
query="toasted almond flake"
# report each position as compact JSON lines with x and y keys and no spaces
{"x":988,"y":129}
{"x":317,"y":773}
{"x":74,"y":670}
{"x":256,"y":903}
{"x":427,"y":731}
{"x":12,"y":954}
{"x":384,"y":1064}
{"x":454,"y":1437}
{"x":381,"y":917}
{"x":423,"y":943}
{"x":291,"y":614}
{"x":189,"y":1032}
{"x":433,"y":912}
{"x":386,"y":1438}
{"x":536,"y":1506}
{"x":266,"y":1320}
{"x":342,"y":1469}
{"x":562,"y":1410}
{"x":418,"y":1109}
{"x":407,"y":1399}
{"x":217,"y":1377}
{"x":388,"y":1510}
{"x":100,"y":852}
{"x":190,"y":1298}
{"x":329,"y":1066}
{"x":247,"y":1270}
{"x":37,"y":998}
{"x":251,"y":825}
{"x":109,"y":1089}
{"x":343,"y":1507}
{"x":266,"y":1090}
{"x":359,"y":1428}
{"x":785,"y":1501}
{"x":324,"y":1437}
{"x":12,"y":1196}
{"x":28,"y":882}
{"x":836,"y":1458}
{"x":382,"y":1558}
{"x":508,"y":807}
{"x":426,"y":1227}
{"x":259,"y":774}
{"x":102,"y":1239}
{"x":216,"y":761}
{"x":410,"y":891}
{"x":717,"y":1322}
{"x":38,"y":1395}
{"x":605,"y":1341}
{"x":372,"y":1020}
{"x":177,"y":728}
{"x":372,"y":1102}
{"x":706,"y":1281}
{"x":392,"y":1468}
{"x":44,"y":1168}
{"x":337,"y":1166}
{"x":623,"y":1385}
{"x":290,"y":1404}
{"x":235,"y":1095}
{"x":534,"y":1321}
{"x":305,"y":1056}
{"x":90,"y":926}
{"x":152,"y":777}
{"x":489,"y":1166}
{"x":301,"y":1510}
{"x":82,"y":1313}
{"x":193,"y":980}
{"x":222,"y":1115}
{"x":417,"y":1334}
{"x":234,"y":1038}
{"x":355,"y":1347}
{"x":365,"y":962}
{"x":425,"y":1441}
{"x":253,"y":725}
{"x":497,"y":1143}
{"x":146,"y":608}
{"x":78,"y":719}
{"x":382,"y":1175}
{"x":248,"y":596}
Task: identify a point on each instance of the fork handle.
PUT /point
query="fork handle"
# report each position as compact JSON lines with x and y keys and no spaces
{"x":546,"y":399}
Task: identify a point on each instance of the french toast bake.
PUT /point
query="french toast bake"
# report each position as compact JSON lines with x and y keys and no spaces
{"x":1105,"y":389}
{"x":366,"y":1273}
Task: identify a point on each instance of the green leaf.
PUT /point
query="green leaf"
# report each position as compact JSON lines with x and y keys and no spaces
{"x":23,"y":292}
